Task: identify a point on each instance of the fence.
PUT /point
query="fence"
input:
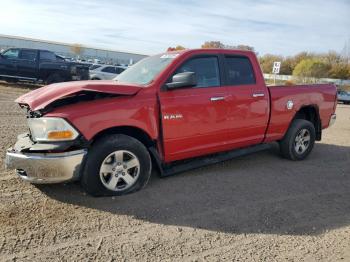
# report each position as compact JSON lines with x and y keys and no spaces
{"x":340,"y":82}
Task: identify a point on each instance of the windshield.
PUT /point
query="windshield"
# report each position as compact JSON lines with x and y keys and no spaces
{"x":146,"y":70}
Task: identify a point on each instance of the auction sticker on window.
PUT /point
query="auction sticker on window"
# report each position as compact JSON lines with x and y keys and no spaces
{"x":169,"y":55}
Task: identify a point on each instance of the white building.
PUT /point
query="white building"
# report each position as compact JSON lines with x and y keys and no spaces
{"x":66,"y":50}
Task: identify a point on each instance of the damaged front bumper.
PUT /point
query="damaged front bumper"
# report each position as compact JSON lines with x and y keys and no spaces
{"x":38,"y":166}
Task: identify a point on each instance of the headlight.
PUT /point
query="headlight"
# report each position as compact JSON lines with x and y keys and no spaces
{"x":51,"y":129}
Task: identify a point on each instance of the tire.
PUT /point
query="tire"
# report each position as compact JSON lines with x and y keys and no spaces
{"x":299,"y":140}
{"x":95,"y":78}
{"x":11,"y":80}
{"x":107,"y":171}
{"x":54,"y":78}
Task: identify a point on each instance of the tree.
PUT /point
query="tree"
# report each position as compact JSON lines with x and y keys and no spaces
{"x":77,"y":49}
{"x":178,"y":47}
{"x":287,"y":66}
{"x":213,"y":44}
{"x":266,"y":62}
{"x":311,"y":68}
{"x":340,"y":71}
{"x":218,"y":44}
{"x":243,"y":47}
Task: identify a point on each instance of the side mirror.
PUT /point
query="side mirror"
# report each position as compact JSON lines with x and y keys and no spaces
{"x":185,"y":79}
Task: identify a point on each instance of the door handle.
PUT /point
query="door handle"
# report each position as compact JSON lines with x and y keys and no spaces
{"x":258,"y":94}
{"x":217,"y":98}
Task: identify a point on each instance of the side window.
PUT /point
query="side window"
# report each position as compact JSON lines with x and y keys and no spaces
{"x":46,"y":55}
{"x":119,"y":70}
{"x":239,"y":71}
{"x":109,"y":69}
{"x":28,"y":55}
{"x":11,"y":54}
{"x":206,"y":69}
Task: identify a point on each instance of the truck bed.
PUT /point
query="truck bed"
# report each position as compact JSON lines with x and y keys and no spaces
{"x":322,"y":97}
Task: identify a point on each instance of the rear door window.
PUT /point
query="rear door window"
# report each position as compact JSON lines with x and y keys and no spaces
{"x":28,"y":55}
{"x":119,"y":70}
{"x":109,"y":69}
{"x":239,"y":71}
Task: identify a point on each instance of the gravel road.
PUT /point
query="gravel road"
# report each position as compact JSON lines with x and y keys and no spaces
{"x":257,"y":208}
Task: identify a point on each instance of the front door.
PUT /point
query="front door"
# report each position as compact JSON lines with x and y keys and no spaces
{"x":8,"y":63}
{"x":194,"y":118}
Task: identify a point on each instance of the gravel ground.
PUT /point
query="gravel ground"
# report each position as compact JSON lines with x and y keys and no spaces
{"x":257,"y":208}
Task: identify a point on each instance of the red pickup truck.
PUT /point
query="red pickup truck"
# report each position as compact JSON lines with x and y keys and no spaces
{"x":173,"y":111}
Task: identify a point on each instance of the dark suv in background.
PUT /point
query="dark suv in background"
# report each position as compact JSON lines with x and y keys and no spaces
{"x":23,"y":64}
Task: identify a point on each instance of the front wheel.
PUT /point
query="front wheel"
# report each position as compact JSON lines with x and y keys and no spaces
{"x":299,"y":140}
{"x":116,"y":165}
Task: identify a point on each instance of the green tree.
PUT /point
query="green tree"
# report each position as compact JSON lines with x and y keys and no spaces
{"x":340,"y":71}
{"x":311,"y":68}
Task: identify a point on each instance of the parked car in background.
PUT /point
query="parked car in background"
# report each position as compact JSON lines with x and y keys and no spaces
{"x":23,"y":64}
{"x":343,"y":96}
{"x":106,"y":72}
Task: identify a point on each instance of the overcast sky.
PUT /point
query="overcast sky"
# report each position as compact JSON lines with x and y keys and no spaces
{"x":150,"y":26}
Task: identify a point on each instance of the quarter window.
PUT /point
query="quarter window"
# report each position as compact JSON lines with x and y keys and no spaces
{"x":239,"y":71}
{"x":206,"y":70}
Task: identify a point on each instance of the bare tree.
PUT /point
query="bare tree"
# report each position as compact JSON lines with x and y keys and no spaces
{"x":77,"y":49}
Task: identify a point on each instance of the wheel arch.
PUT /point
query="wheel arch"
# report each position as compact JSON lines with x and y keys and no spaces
{"x":132,"y":131}
{"x":311,"y":113}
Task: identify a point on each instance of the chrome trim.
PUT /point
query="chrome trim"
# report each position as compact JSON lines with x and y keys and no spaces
{"x":258,"y":94}
{"x":45,"y":168}
{"x":218,"y":98}
{"x":332,"y":119}
{"x":19,"y":77}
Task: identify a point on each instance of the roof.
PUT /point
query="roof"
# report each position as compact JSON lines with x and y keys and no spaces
{"x":65,"y":44}
{"x":219,"y":50}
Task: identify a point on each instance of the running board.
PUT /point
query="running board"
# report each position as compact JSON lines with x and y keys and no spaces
{"x":182,"y":166}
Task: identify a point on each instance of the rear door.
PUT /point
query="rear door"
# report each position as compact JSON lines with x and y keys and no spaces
{"x":27,"y":63}
{"x":194,"y":118}
{"x":247,"y":103}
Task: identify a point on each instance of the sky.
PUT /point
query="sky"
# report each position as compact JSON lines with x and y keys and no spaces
{"x":150,"y":26}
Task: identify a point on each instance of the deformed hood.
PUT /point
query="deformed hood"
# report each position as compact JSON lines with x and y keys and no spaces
{"x":40,"y":98}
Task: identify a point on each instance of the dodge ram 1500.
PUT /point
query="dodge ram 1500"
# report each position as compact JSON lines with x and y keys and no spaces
{"x":173,"y":111}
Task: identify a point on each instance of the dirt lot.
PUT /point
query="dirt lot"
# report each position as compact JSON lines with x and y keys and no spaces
{"x":257,"y":208}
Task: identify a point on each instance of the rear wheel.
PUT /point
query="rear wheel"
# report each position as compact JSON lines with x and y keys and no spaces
{"x":299,"y":140}
{"x":116,"y":165}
